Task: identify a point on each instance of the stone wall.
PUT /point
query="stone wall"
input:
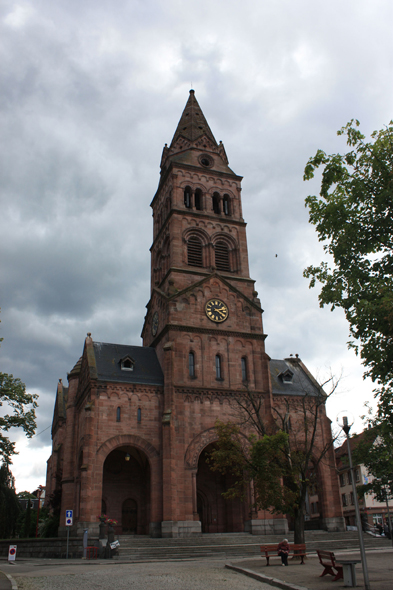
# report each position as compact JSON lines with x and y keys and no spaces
{"x":44,"y":548}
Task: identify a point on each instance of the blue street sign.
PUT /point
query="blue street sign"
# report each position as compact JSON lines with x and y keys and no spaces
{"x":69,"y":517}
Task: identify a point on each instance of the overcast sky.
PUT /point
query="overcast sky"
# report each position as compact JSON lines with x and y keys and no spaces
{"x":90,"y":93}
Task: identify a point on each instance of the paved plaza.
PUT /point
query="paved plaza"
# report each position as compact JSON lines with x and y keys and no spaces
{"x":176,"y":575}
{"x":380,"y":568}
{"x":201,"y":574}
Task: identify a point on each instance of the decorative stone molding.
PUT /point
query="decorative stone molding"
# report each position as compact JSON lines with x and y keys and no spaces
{"x":122,"y":440}
{"x":197,"y":445}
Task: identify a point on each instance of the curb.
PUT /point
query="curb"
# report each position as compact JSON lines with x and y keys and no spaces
{"x":14,"y":585}
{"x":265,"y":579}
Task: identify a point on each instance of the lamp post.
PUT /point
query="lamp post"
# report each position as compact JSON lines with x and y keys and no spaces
{"x":40,"y":488}
{"x":343,"y":421}
{"x":389,"y":521}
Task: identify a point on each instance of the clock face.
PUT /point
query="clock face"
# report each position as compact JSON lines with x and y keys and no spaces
{"x":216,"y":310}
{"x":154,"y":324}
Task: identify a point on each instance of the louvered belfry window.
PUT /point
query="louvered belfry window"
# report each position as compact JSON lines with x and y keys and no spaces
{"x":222,"y":256}
{"x":194,"y":252}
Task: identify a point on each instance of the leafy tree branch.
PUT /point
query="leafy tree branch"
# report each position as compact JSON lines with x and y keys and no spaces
{"x":353,"y":216}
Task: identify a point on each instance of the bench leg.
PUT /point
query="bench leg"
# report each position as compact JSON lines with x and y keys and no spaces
{"x":339,"y":575}
{"x":327,"y":570}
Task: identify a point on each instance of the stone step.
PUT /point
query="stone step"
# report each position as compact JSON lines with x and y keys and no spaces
{"x":233,"y":545}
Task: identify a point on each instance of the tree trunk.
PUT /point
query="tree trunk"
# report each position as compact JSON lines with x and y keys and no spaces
{"x":299,"y":516}
{"x":298,"y":536}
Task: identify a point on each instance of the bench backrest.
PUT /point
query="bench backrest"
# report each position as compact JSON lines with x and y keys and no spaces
{"x":327,"y":555}
{"x":292,"y":547}
{"x":269,"y":547}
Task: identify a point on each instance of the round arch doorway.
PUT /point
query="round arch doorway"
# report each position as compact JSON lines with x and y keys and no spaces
{"x":217,"y":515}
{"x":126,"y":490}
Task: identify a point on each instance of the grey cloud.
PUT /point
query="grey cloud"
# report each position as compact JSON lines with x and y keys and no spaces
{"x":90,"y":96}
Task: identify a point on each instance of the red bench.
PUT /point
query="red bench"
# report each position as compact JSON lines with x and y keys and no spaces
{"x":328,"y":561}
{"x":298,"y":550}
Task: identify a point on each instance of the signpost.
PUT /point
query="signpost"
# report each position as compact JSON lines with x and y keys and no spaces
{"x":11,"y":553}
{"x":68,"y":522}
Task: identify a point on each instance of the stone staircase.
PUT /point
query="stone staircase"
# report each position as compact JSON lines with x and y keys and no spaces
{"x":233,"y":545}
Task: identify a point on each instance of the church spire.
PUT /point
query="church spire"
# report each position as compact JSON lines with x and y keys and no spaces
{"x":193,"y":137}
{"x":192,"y":124}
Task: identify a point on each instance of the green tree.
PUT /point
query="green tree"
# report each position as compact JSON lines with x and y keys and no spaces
{"x":375,"y":452}
{"x":353,"y":216}
{"x":9,"y":503}
{"x":22,"y":412}
{"x":281,"y":461}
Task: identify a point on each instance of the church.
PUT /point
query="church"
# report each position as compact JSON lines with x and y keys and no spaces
{"x":133,"y":428}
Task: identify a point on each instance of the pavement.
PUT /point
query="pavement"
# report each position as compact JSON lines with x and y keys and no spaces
{"x":379,"y":564}
{"x":208,"y":573}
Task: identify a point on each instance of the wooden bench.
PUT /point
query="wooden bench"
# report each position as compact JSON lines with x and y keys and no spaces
{"x":328,"y":561}
{"x":298,"y":550}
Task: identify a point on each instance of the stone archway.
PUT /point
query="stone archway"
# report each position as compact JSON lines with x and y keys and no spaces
{"x":217,"y":514}
{"x":150,"y":509}
{"x":126,"y":483}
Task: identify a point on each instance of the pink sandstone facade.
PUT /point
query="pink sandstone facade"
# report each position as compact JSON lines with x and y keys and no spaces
{"x":132,"y":430}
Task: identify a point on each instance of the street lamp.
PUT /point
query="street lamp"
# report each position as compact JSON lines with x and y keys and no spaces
{"x":40,"y":488}
{"x":386,"y":488}
{"x":345,"y":421}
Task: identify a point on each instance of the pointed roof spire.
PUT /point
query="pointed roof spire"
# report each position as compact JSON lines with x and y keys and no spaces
{"x":192,"y":123}
{"x":193,"y":140}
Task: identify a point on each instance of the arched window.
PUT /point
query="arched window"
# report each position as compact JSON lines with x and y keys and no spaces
{"x":118,"y":414}
{"x":218,"y":367}
{"x":187,"y":197}
{"x":198,"y":199}
{"x":164,"y":262}
{"x":216,"y":203}
{"x":222,"y":256}
{"x":225,"y":205}
{"x":244,"y":369}
{"x":191,"y":364}
{"x":194,"y":251}
{"x":139,"y":416}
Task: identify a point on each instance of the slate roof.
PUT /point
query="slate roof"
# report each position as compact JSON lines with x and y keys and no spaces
{"x":147,"y":369}
{"x":301,"y":383}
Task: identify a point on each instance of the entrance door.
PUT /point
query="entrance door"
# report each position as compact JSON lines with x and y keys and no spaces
{"x":129,"y":516}
{"x":217,"y":514}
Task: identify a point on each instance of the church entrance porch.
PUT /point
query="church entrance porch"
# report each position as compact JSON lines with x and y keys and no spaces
{"x":126,"y":490}
{"x":216,"y":514}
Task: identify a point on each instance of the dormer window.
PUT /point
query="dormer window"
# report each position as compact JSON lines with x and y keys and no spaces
{"x":286,"y":376}
{"x":127,"y":364}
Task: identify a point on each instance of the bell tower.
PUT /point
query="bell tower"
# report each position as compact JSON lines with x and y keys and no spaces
{"x":204,"y":317}
{"x":197,"y":212}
